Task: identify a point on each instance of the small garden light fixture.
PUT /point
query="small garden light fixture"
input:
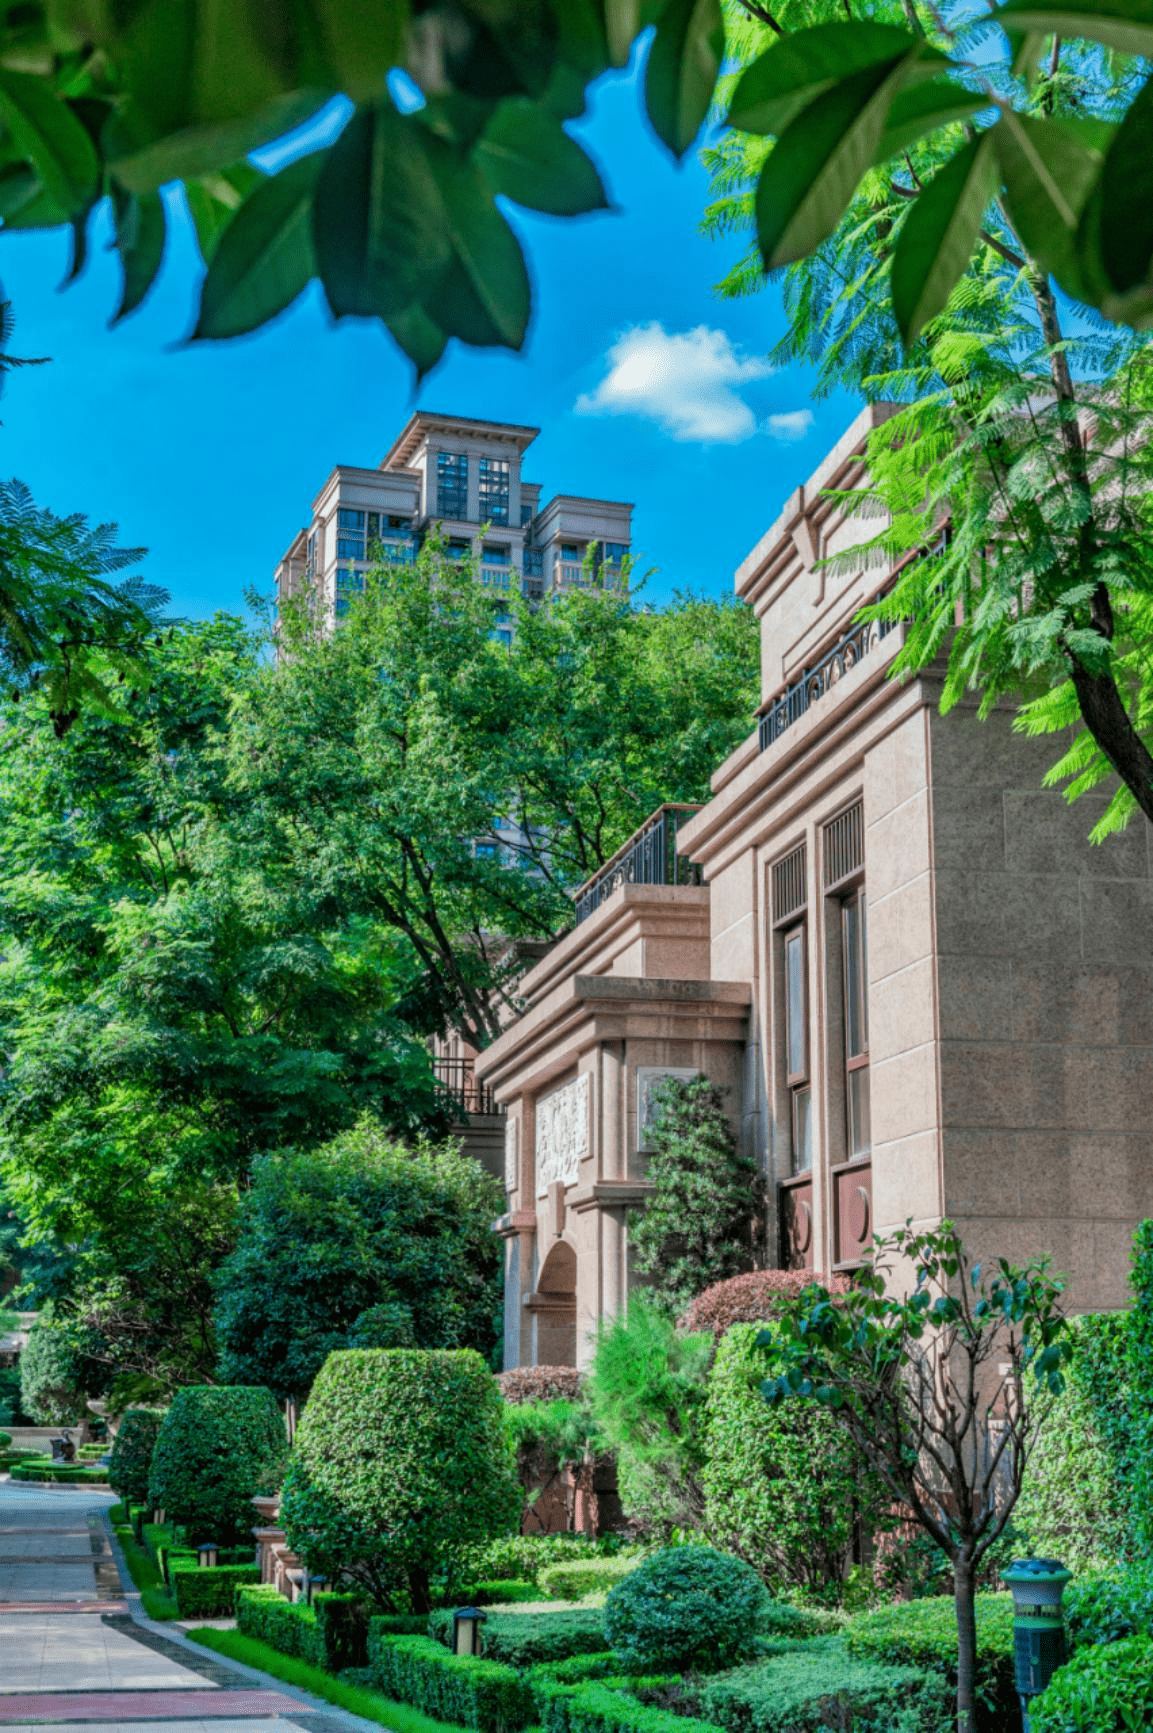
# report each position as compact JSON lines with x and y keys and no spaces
{"x":313,"y":1585}
{"x":1037,"y":1585}
{"x":466,"y":1631}
{"x":206,"y":1555}
{"x":158,"y":1516}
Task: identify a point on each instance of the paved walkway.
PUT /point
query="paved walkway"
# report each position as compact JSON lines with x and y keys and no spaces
{"x":78,"y":1656}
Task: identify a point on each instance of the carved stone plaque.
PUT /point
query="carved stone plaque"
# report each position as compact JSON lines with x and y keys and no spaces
{"x":511,"y":1151}
{"x":648,"y":1076}
{"x":562,"y":1133}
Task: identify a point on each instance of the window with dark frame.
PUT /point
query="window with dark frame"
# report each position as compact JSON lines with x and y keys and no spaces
{"x":452,"y":485}
{"x":789,"y":905}
{"x":844,"y":869}
{"x":494,"y":489}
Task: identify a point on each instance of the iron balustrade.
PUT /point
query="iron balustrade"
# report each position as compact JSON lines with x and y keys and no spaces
{"x":648,"y":858}
{"x":791,"y":704}
{"x":457,"y":1078}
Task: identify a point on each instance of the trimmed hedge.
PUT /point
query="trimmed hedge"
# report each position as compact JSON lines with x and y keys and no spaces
{"x":526,"y":1639}
{"x":209,"y":1593}
{"x":132,"y":1454}
{"x":810,"y":1687}
{"x":687,"y":1606}
{"x":598,"y":1708}
{"x":332,"y":1633}
{"x":492,"y":1594}
{"x":1104,"y":1689}
{"x":68,"y":1475}
{"x":217,"y":1448}
{"x":924,"y":1634}
{"x":484,"y":1695}
{"x":594,"y":1576}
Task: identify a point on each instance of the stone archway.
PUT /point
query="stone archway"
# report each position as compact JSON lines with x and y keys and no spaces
{"x":554,"y":1307}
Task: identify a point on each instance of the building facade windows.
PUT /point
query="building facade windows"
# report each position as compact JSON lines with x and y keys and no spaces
{"x":854,"y":952}
{"x":452,"y":485}
{"x":348,"y":519}
{"x":493,"y":475}
{"x":350,"y":547}
{"x":797,"y":1047}
{"x":497,"y":554}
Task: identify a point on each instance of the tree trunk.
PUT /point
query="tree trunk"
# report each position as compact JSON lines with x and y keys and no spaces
{"x":966,"y":1643}
{"x":418,"y":1588}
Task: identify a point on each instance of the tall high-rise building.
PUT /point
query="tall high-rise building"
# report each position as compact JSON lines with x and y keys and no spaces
{"x":464,"y":476}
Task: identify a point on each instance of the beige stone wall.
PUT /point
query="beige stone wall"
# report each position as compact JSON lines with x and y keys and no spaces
{"x":1045,"y":964}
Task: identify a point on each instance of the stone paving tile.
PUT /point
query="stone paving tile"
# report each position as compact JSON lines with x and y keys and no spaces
{"x":128,"y":1706}
{"x":313,"y":1724}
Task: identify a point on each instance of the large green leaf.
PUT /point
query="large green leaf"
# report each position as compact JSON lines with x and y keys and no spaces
{"x":797,"y":68}
{"x":196,"y":150}
{"x":684,"y":60}
{"x":420,"y":337}
{"x":141,"y":231}
{"x":526,"y":154}
{"x":817,"y":163}
{"x":265,"y":257}
{"x":378,"y":217}
{"x":46,"y":132}
{"x":938,"y":235}
{"x":484,"y":48}
{"x":214,"y":199}
{"x":923,"y":108}
{"x":1048,"y":168}
{"x":1123,"y":24}
{"x":1126,"y":198}
{"x":624,"y":22}
{"x":487,"y":280}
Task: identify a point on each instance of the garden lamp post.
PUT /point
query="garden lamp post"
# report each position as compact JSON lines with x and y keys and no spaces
{"x":1037,"y":1585}
{"x":313,"y":1585}
{"x":206,"y":1555}
{"x":466,"y":1631}
{"x":158,"y":1516}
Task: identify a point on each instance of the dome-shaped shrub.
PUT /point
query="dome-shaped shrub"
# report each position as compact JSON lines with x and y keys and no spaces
{"x":689,"y":1606}
{"x":216,"y":1450}
{"x":401,"y":1458}
{"x":131,"y":1460}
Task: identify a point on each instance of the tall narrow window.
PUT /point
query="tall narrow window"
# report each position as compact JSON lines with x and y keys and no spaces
{"x":452,"y":485}
{"x":854,"y":939}
{"x":494,"y":489}
{"x":797,"y":1047}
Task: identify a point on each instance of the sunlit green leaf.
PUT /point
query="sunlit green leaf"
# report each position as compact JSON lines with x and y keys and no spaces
{"x":939,"y":233}
{"x":213,"y":200}
{"x":684,"y":60}
{"x":197,"y":150}
{"x":817,"y":163}
{"x":1048,"y":168}
{"x":923,"y":108}
{"x":265,"y":256}
{"x":48,"y":134}
{"x":527,"y":155}
{"x":797,"y":68}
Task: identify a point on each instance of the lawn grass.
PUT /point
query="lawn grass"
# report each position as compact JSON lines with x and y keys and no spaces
{"x":145,"y":1574}
{"x":369,"y":1705}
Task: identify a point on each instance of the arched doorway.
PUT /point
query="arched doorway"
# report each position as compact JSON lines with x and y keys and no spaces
{"x":554,"y":1307}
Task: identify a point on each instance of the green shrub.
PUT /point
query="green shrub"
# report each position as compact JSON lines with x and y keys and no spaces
{"x":498,"y":1593}
{"x":397,"y":1625}
{"x":1139,"y":1365}
{"x":568,"y":1582}
{"x":924,"y":1634}
{"x":1106,"y":1688}
{"x":216,"y":1450}
{"x":263,"y":1613}
{"x":56,"y":1375}
{"x":522,"y":1556}
{"x":783,"y":1485}
{"x":816,"y":1686}
{"x":209,"y":1593}
{"x":577,"y":1669}
{"x":5,"y":1440}
{"x":598,"y":1708}
{"x":782,"y":1619}
{"x":688,"y":1606}
{"x":481,"y":1694}
{"x":68,"y":1475}
{"x":526,"y":1639}
{"x":1102,"y":1609}
{"x":132,"y":1454}
{"x":401,"y":1459}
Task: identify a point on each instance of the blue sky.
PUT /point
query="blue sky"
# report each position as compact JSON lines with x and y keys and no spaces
{"x":646,"y":387}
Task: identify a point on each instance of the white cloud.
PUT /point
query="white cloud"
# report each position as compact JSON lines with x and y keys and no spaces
{"x":686,"y":381}
{"x":791,"y":426}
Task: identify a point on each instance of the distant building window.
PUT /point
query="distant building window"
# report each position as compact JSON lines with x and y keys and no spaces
{"x":533,"y":562}
{"x":313,"y":553}
{"x":451,"y":485}
{"x":487,"y":851}
{"x":796,"y":1044}
{"x":504,"y":636}
{"x":349,"y":582}
{"x":398,"y":523}
{"x":457,"y":550}
{"x":571,"y":551}
{"x":350,"y":520}
{"x":612,"y":553}
{"x":493,"y":472}
{"x":497,"y":554}
{"x":854,"y":950}
{"x":525,"y":513}
{"x":350,"y":547}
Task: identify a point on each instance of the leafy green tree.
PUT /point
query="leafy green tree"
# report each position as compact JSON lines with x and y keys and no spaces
{"x":370,"y":760}
{"x":647,"y":1391}
{"x":215,"y":1451}
{"x":931,"y":1385}
{"x":698,"y":1218}
{"x":359,"y":1242}
{"x":113,"y":100}
{"x":56,"y":1375}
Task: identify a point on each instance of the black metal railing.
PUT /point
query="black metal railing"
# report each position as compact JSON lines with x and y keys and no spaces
{"x":457,"y":1078}
{"x":791,"y":704}
{"x":648,"y":858}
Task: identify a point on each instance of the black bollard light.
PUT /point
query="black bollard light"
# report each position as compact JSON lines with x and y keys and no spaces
{"x":1037,"y":1585}
{"x":206,"y":1554}
{"x":466,"y":1631}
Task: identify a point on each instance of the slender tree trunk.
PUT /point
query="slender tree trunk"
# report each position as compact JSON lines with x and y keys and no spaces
{"x":418,"y":1588}
{"x":966,"y":1643}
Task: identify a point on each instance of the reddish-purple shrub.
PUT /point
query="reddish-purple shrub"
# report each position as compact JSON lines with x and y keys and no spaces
{"x":540,"y":1384}
{"x":750,"y":1299}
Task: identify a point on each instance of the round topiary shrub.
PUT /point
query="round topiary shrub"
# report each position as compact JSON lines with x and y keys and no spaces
{"x":689,"y":1606}
{"x":401,"y":1459}
{"x":216,"y":1449}
{"x":5,"y":1440}
{"x":131,"y":1461}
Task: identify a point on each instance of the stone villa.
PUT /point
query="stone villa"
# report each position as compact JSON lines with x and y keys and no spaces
{"x":921,"y":991}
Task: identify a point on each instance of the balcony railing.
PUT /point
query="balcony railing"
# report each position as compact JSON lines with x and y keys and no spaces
{"x":791,"y":704}
{"x":648,"y":858}
{"x":457,"y":1078}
